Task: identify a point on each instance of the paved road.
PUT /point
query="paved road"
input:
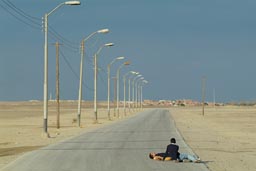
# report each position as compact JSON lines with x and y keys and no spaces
{"x":123,"y":146}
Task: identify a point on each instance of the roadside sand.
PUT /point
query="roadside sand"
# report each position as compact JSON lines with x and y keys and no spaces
{"x":225,"y":137}
{"x":21,"y":125}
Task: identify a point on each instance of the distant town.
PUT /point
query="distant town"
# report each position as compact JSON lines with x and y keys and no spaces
{"x":184,"y":102}
{"x":189,"y":102}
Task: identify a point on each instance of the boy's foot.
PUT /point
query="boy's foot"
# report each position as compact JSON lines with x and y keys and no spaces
{"x":197,"y":161}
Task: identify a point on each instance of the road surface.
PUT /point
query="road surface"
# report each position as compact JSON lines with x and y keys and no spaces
{"x":122,"y":146}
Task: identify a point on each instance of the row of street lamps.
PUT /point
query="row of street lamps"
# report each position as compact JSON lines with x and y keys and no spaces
{"x":137,"y":83}
{"x":109,"y":66}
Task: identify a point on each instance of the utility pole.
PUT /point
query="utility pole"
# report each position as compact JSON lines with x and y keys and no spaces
{"x":115,"y":82}
{"x":57,"y":84}
{"x":203,"y":93}
{"x":214,"y":101}
{"x":80,"y":85}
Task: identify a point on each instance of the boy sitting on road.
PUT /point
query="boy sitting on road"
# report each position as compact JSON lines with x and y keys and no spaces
{"x":173,"y":154}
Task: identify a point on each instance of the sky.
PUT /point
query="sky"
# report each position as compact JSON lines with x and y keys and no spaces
{"x":172,"y":43}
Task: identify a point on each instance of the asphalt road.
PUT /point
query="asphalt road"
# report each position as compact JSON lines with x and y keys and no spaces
{"x":122,"y":146}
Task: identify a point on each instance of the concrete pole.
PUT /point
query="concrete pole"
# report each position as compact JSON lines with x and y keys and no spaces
{"x":124,"y":96}
{"x":80,"y":85}
{"x":57,"y":85}
{"x":141,"y":97}
{"x":136,"y":95}
{"x":117,"y":91}
{"x":203,"y":94}
{"x":109,"y":92}
{"x":129,"y":94}
{"x":45,"y":72}
{"x":114,"y":100}
{"x":133,"y":94}
{"x":95,"y":88}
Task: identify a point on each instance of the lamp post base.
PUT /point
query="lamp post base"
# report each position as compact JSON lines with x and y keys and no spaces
{"x":79,"y":120}
{"x":45,"y":125}
{"x":96,"y":117}
{"x":109,"y":115}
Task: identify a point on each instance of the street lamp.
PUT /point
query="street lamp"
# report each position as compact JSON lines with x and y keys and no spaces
{"x":95,"y":78}
{"x":137,"y":90}
{"x":141,"y":92}
{"x":133,"y":89}
{"x":117,"y":85}
{"x":129,"y":91}
{"x":103,"y":31}
{"x":109,"y":65}
{"x":124,"y":79}
{"x":46,"y":58}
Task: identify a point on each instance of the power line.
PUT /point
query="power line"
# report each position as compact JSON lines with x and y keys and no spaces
{"x":73,"y":71}
{"x":21,"y":12}
{"x":31,"y":21}
{"x":62,"y":38}
{"x":34,"y":26}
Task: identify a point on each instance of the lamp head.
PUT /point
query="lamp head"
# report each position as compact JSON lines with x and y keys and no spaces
{"x":72,"y":3}
{"x":120,"y":57}
{"x":109,"y":44}
{"x":103,"y":31}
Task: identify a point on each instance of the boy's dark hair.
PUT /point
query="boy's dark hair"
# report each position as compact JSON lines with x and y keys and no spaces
{"x":173,"y":140}
{"x":150,"y":156}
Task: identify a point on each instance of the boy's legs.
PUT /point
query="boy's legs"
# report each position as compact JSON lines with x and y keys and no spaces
{"x":184,"y":156}
{"x":191,"y":157}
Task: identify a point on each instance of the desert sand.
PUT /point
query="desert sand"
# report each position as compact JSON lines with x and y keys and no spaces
{"x":224,"y":137}
{"x":21,"y":125}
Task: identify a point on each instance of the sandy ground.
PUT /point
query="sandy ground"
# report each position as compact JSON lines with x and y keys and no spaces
{"x":224,"y":137}
{"x":21,"y":127}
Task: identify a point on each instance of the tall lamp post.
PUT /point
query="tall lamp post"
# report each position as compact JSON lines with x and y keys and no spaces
{"x":133,"y":89}
{"x":95,"y":78}
{"x":141,"y":92}
{"x":140,"y":85}
{"x":46,"y":59}
{"x":137,"y":90}
{"x":109,"y":65}
{"x":117,"y":85}
{"x":129,"y":91}
{"x":124,"y":79}
{"x":103,"y":31}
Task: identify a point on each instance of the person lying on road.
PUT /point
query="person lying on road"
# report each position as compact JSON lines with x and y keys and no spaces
{"x":182,"y":157}
{"x":173,"y":154}
{"x":158,"y":156}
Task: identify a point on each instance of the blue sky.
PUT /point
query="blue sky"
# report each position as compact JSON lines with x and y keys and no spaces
{"x":172,"y":43}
